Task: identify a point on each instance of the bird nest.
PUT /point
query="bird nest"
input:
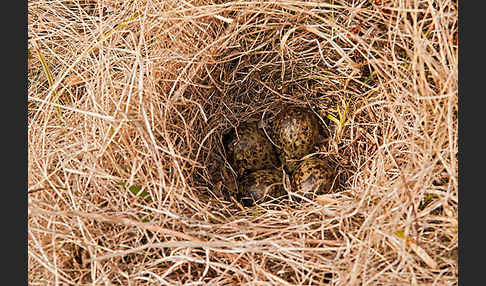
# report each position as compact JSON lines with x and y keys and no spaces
{"x":128,"y":107}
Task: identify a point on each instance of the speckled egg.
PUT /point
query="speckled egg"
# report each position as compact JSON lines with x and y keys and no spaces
{"x":249,"y":149}
{"x":296,"y":131}
{"x":313,"y":176}
{"x":260,"y":185}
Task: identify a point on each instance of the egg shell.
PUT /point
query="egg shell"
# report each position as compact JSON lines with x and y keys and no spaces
{"x":296,"y":132}
{"x":313,"y":176}
{"x":261,"y":185}
{"x":249,"y":149}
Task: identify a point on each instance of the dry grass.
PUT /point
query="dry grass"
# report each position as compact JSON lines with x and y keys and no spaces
{"x":144,"y":102}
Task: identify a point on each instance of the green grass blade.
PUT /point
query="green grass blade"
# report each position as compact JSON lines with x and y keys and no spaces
{"x":50,"y":79}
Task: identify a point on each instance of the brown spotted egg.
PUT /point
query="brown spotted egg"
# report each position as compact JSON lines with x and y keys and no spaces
{"x":249,"y":149}
{"x":313,"y":176}
{"x":261,"y":185}
{"x":296,"y":132}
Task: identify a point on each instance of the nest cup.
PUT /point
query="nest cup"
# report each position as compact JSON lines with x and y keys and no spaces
{"x":241,"y":84}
